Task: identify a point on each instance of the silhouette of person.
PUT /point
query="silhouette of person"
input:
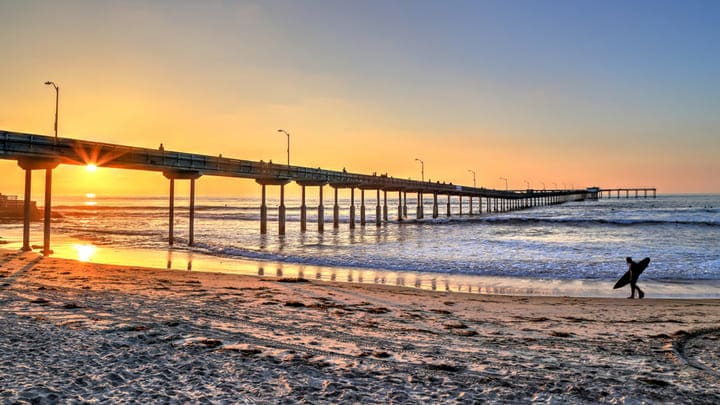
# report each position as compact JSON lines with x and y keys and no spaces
{"x":634,"y":269}
{"x":161,"y":148}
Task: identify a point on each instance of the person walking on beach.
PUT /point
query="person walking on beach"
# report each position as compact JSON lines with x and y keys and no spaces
{"x":635,"y":269}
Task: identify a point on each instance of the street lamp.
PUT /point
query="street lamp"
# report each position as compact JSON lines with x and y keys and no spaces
{"x":527,"y":183}
{"x":473,"y":172}
{"x":57,"y":98}
{"x":288,"y":146}
{"x":506,"y":186}
{"x":422,"y":169}
{"x":543,"y":183}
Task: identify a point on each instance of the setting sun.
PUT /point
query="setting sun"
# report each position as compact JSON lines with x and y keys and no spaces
{"x":91,"y":168}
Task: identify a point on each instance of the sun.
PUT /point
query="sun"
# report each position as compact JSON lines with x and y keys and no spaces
{"x":91,"y":167}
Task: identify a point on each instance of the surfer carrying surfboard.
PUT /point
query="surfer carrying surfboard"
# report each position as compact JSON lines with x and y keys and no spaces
{"x":632,"y":275}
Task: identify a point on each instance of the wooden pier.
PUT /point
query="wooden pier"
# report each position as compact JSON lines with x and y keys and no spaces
{"x":39,"y":152}
{"x":626,"y":192}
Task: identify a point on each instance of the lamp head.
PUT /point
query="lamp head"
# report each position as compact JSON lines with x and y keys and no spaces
{"x":48,"y":83}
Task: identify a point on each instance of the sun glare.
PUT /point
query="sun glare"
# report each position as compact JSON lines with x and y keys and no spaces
{"x":91,"y":199}
{"x":85,"y":252}
{"x":91,"y":168}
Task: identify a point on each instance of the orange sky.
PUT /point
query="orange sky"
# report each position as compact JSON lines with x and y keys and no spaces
{"x":356,"y":89}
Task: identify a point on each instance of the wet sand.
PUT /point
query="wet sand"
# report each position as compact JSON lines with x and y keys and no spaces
{"x":74,"y":331}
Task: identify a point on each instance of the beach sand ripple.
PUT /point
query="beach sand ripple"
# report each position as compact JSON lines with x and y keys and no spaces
{"x":79,"y":332}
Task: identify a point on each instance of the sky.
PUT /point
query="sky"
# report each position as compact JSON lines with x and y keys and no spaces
{"x":543,"y":93}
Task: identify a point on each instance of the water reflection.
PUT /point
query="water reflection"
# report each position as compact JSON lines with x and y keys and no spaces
{"x":85,"y":251}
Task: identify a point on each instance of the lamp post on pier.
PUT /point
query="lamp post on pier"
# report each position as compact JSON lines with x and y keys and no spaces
{"x":422,"y":169}
{"x":527,"y":183}
{"x":57,"y":99}
{"x":506,"y":183}
{"x":288,"y":145}
{"x":473,"y":172}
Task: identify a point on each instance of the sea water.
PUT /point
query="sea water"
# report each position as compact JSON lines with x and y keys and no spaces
{"x":545,"y":250}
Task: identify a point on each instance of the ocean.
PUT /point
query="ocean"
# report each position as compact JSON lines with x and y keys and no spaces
{"x":575,"y":248}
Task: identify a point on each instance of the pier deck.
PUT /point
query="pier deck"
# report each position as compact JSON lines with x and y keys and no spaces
{"x":40,"y":152}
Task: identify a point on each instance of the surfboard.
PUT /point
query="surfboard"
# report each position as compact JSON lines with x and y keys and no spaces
{"x":639,"y":268}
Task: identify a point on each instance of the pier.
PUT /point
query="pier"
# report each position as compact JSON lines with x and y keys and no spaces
{"x":39,"y":152}
{"x":627,"y":191}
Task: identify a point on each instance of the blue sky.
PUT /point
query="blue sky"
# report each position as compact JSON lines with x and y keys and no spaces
{"x":521,"y":88}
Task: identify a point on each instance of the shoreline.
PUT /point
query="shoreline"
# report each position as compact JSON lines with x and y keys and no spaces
{"x":187,"y":259}
{"x":85,"y":331}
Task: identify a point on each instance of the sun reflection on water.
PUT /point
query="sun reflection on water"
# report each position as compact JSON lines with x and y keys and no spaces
{"x":90,"y":197}
{"x":84,"y":252}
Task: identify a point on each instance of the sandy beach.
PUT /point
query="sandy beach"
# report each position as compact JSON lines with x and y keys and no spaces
{"x":76,"y":332}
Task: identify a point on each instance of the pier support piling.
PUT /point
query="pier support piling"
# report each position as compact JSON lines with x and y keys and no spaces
{"x":303,"y":211}
{"x":435,"y":206}
{"x":191,"y":236}
{"x":449,"y":213}
{"x":281,"y":211}
{"x":385,"y":206}
{"x":419,"y":214}
{"x":400,"y":206}
{"x":26,"y":207}
{"x":352,"y":208}
{"x":171,"y":209}
{"x":263,"y":213}
{"x":405,"y":204}
{"x":378,"y":217}
{"x":321,"y":211}
{"x":362,"y":207}
{"x":48,"y":204}
{"x":336,"y":211}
